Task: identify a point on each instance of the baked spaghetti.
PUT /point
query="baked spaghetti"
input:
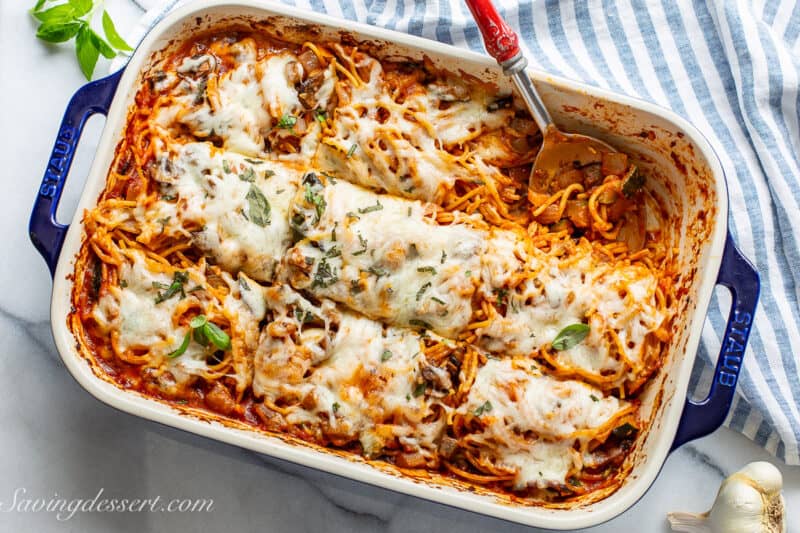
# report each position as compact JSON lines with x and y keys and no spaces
{"x":316,"y":242}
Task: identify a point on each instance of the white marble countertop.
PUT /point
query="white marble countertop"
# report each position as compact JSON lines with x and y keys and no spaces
{"x":57,"y":439}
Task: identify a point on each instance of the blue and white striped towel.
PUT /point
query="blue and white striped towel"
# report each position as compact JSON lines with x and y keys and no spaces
{"x":731,"y":67}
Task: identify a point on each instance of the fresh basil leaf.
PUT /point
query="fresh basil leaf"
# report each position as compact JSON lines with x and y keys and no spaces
{"x":182,"y":348}
{"x":200,"y":337}
{"x":86,"y":51}
{"x":386,"y":355}
{"x":81,"y":7}
{"x":39,"y":5}
{"x":217,"y":336}
{"x":259,"y":208}
{"x":58,"y":32}
{"x":59,"y":13}
{"x":198,"y":322}
{"x":570,"y":336}
{"x":102,"y":46}
{"x":112,"y":35}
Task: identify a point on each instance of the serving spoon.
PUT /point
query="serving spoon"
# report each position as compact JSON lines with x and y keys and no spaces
{"x":559,"y":150}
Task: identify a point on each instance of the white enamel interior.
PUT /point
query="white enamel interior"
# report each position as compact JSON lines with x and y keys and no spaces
{"x":575,"y":107}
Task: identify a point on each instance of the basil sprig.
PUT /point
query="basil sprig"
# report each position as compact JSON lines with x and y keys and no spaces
{"x":73,"y":19}
{"x":570,"y":336}
{"x":203,"y":332}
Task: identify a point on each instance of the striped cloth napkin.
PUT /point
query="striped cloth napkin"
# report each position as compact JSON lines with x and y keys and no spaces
{"x":732,"y":68}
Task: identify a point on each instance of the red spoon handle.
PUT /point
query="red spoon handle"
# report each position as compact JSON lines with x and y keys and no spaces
{"x":500,"y":40}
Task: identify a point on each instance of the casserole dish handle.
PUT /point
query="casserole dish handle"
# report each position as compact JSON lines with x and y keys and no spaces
{"x":46,"y":233}
{"x":741,"y":278}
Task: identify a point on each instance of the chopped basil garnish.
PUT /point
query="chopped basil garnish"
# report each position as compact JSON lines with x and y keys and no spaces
{"x":444,"y":257}
{"x":377,"y":271}
{"x":335,"y":407}
{"x":428,"y":269}
{"x":248,"y":174}
{"x":483,"y":408}
{"x":363,"y":243}
{"x":317,"y":200}
{"x":287,"y":122}
{"x":243,"y":285}
{"x":178,"y":279}
{"x":350,"y":214}
{"x":370,"y":209}
{"x":355,"y":286}
{"x":259,"y":208}
{"x":351,"y":151}
{"x":324,"y":276}
{"x":419,"y":323}
{"x":226,"y":166}
{"x":386,"y":355}
{"x":254,"y":161}
{"x":438,"y":301}
{"x":594,"y":398}
{"x":420,"y":389}
{"x":422,"y":290}
{"x":320,"y":115}
{"x":570,"y":336}
{"x":123,"y":283}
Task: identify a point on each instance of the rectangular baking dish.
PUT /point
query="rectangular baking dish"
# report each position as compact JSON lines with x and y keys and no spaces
{"x":681,"y":168}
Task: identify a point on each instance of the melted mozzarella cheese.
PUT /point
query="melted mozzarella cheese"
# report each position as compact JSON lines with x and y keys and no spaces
{"x":381,"y":256}
{"x":531,"y":421}
{"x":242,"y":105}
{"x":280,"y":96}
{"x":399,"y":147}
{"x":145,"y":325}
{"x":614,"y":299}
{"x":235,"y":111}
{"x":523,"y":400}
{"x":540,"y":464}
{"x":216,"y":202}
{"x":360,"y":379}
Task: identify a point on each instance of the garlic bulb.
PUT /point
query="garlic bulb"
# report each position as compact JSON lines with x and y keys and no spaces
{"x":749,"y":501}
